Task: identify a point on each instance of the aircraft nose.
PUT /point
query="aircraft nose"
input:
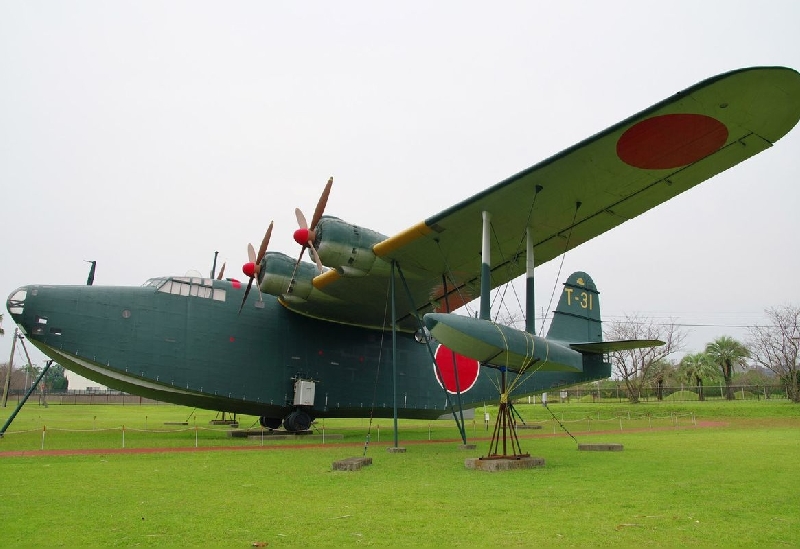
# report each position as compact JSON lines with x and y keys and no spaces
{"x":15,"y":304}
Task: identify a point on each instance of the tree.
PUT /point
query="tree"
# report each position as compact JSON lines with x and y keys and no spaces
{"x":2,"y":332}
{"x":776,"y":346}
{"x":634,"y":366}
{"x":727,"y":354}
{"x":696,"y":367}
{"x":658,"y":373}
{"x":55,"y":380}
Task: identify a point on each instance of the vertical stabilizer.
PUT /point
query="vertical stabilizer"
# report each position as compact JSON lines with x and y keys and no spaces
{"x":577,"y":317}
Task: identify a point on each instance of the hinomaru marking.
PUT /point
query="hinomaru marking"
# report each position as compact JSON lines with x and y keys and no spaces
{"x":584,"y":299}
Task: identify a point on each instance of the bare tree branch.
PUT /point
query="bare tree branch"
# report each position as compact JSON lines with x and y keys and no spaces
{"x":633,"y":366}
{"x":776,"y":346}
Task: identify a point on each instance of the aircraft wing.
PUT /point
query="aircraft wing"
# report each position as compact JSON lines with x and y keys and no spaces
{"x":570,"y":197}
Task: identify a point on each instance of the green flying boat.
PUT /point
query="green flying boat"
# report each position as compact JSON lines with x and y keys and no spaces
{"x":369,"y":320}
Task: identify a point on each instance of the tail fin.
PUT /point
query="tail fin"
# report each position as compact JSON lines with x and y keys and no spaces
{"x":577,"y":317}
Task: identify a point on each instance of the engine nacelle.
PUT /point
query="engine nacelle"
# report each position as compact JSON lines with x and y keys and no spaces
{"x":276,"y":275}
{"x":346,"y":247}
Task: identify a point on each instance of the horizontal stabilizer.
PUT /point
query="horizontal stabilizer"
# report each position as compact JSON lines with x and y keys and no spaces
{"x":600,"y":347}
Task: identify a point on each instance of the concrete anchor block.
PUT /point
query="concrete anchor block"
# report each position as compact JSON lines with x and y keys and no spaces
{"x":351,"y":463}
{"x":605,"y":447}
{"x":503,"y":464}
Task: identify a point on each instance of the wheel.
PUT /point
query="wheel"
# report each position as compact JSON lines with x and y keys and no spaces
{"x":297,"y":421}
{"x":270,"y":422}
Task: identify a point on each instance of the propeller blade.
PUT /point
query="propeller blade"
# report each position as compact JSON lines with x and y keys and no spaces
{"x":253,"y":268}
{"x":247,"y":291}
{"x":294,"y":272}
{"x":264,"y":243}
{"x":221,"y":272}
{"x":305,"y":235}
{"x":301,"y":219}
{"x":316,"y":255}
{"x":323,"y":200}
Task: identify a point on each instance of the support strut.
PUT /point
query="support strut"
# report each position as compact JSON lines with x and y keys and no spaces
{"x":25,"y":398}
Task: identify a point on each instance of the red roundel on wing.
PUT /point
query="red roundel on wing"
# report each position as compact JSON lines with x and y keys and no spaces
{"x":467,"y":368}
{"x":671,"y":141}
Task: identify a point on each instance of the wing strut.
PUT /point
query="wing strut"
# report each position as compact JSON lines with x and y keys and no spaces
{"x":394,"y":353}
{"x":455,"y":365}
{"x":505,"y":419}
{"x":530,"y":309}
{"x":421,"y":324}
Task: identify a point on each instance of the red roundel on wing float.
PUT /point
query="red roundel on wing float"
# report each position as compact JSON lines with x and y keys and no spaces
{"x":671,"y":141}
{"x":467,"y":368}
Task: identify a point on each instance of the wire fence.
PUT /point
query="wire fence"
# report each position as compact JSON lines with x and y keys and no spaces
{"x":84,"y":397}
{"x":601,"y":394}
{"x":620,"y":393}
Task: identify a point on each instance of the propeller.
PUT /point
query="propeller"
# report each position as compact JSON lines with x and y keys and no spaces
{"x":253,"y":268}
{"x":306,"y":234}
{"x":221,"y":272}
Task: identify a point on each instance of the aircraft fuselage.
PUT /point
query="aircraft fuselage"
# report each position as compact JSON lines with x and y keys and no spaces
{"x":182,"y":340}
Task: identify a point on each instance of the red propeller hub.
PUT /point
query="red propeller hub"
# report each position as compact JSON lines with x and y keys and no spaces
{"x":301,"y":236}
{"x":249,"y":269}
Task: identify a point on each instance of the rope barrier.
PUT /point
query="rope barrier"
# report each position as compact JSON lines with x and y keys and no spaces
{"x":563,"y":422}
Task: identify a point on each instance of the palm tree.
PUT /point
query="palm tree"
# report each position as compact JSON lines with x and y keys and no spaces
{"x":727,"y":353}
{"x":695,"y":368}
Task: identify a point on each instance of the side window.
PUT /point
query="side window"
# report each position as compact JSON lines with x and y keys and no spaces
{"x":219,"y":294}
{"x":166,"y":287}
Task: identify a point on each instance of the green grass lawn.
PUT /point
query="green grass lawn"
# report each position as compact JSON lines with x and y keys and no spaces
{"x":730,"y":484}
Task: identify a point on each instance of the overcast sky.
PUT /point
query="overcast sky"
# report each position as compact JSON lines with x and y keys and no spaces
{"x":147,"y":135}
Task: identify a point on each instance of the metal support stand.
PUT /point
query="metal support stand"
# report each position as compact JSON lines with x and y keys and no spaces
{"x":7,"y":384}
{"x":25,"y":398}
{"x":505,"y":428}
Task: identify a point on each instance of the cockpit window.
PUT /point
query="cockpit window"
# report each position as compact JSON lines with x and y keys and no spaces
{"x":16,"y":301}
{"x":186,"y":286}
